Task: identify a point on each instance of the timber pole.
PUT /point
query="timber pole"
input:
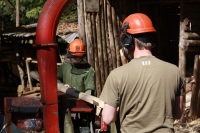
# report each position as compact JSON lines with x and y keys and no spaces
{"x":182,"y":47}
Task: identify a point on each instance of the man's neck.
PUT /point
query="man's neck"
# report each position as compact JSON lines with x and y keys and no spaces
{"x":139,"y":53}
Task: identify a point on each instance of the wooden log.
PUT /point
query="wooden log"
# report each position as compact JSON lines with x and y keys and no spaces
{"x":30,"y":25}
{"x":195,"y":100}
{"x":81,"y":20}
{"x":182,"y":54}
{"x":192,"y":43}
{"x":94,"y":37}
{"x":182,"y":36}
{"x":115,"y":34}
{"x":99,"y":49}
{"x":182,"y":58}
{"x":89,"y":39}
{"x":17,"y":13}
{"x":111,"y":37}
{"x":96,"y":61}
{"x":103,"y":38}
{"x":110,"y":63}
{"x":189,"y":35}
{"x":97,"y":70}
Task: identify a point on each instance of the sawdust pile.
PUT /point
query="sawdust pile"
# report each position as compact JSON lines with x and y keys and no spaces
{"x":192,"y":127}
{"x":186,"y":124}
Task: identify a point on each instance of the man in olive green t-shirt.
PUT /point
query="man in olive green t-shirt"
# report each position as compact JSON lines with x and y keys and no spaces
{"x":146,"y":92}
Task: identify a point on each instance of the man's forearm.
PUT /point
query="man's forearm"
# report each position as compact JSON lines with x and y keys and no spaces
{"x":109,"y":114}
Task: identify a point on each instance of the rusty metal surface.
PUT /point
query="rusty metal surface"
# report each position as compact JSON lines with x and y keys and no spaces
{"x":17,"y":109}
{"x":8,"y":115}
{"x":25,"y":101}
{"x":92,"y":5}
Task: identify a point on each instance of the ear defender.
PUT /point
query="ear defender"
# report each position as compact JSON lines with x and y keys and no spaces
{"x":126,"y":38}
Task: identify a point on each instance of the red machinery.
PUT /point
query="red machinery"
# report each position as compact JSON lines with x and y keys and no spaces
{"x":46,"y":57}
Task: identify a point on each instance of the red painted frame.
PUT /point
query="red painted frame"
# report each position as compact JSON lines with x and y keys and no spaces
{"x":46,"y":57}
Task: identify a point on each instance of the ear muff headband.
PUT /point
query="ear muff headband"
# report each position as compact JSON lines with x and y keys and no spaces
{"x":126,"y":38}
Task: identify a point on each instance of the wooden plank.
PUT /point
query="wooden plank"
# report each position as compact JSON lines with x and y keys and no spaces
{"x":83,"y":96}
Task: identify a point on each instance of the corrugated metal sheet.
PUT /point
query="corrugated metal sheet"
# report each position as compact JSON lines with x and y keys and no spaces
{"x":64,"y":34}
{"x":19,"y":34}
{"x":68,"y":37}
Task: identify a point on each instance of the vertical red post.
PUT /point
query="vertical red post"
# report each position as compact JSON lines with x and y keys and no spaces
{"x":46,"y":56}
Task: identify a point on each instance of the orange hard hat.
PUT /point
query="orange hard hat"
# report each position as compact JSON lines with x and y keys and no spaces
{"x":139,"y":23}
{"x":76,"y":48}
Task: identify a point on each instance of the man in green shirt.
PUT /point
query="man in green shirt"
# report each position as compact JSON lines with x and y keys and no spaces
{"x":146,"y":92}
{"x":77,"y":74}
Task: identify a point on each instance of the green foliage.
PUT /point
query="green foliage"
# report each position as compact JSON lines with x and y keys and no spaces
{"x":34,"y":13}
{"x":30,"y":11}
{"x":70,"y":13}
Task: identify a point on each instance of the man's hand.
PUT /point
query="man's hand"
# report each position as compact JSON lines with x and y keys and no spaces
{"x":67,"y":85}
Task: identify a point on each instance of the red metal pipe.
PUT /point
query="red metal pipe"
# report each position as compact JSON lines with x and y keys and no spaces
{"x":46,"y":57}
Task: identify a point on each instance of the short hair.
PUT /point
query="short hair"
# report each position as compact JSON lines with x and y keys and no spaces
{"x":146,"y":40}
